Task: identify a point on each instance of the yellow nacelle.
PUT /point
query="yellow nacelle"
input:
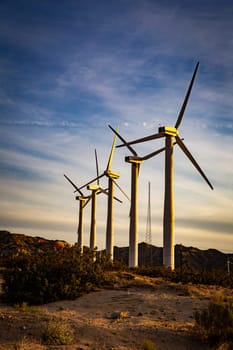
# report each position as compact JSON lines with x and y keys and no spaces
{"x":130,"y":159}
{"x":169,"y":130}
{"x":80,"y":198}
{"x":112,"y":174}
{"x":93,"y":187}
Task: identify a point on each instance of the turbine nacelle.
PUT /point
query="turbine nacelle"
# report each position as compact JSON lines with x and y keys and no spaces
{"x":80,"y":198}
{"x":93,"y":187}
{"x":112,"y":174}
{"x":133,"y":159}
{"x":168,"y":130}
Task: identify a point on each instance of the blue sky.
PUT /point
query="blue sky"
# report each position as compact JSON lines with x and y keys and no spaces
{"x":70,"y":68}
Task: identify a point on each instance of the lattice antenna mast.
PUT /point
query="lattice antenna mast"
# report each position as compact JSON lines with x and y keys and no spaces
{"x":148,"y":221}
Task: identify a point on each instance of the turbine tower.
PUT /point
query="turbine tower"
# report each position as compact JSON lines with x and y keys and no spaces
{"x":93,"y":189}
{"x":83,"y":200}
{"x":170,"y":133}
{"x":135,"y":162}
{"x":112,"y":176}
{"x":148,"y":220}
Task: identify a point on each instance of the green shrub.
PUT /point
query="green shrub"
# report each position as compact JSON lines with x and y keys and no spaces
{"x":49,"y":277}
{"x":58,"y":333}
{"x":216,"y":322}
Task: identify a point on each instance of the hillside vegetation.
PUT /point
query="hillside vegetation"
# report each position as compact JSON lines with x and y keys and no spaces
{"x":58,"y":272}
{"x":189,"y":258}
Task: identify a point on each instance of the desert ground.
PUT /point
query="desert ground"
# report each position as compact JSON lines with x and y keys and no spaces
{"x":135,"y":309}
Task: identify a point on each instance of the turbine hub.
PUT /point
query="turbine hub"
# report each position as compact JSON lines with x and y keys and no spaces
{"x":168,"y":130}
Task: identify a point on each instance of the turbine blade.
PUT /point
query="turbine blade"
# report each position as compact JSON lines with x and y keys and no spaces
{"x":188,"y":154}
{"x":99,"y":192}
{"x":93,"y":180}
{"x":105,"y":191}
{"x":143,"y":139}
{"x":118,"y":186}
{"x":97,"y":167}
{"x":112,"y":151}
{"x":124,"y":142}
{"x":180,"y":116}
{"x":88,"y":200}
{"x":148,"y":156}
{"x":76,"y":188}
{"x":117,"y":199}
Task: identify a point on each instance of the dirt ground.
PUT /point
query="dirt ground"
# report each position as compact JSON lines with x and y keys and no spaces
{"x":121,"y":318}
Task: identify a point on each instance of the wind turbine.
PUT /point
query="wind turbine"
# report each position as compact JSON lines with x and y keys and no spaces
{"x":112,"y":176}
{"x":95,"y":189}
{"x":135,"y":162}
{"x":169,"y":133}
{"x":83,"y":200}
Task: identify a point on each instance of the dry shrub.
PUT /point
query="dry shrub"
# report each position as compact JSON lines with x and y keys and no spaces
{"x":28,"y":344}
{"x":58,"y":333}
{"x":148,"y":345}
{"x":24,"y":307}
{"x":43,"y":278}
{"x":215,"y":323}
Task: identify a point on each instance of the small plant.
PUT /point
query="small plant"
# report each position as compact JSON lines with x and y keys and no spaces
{"x":24,"y":307}
{"x":216,"y":322}
{"x":148,"y":345}
{"x":28,"y":344}
{"x":58,"y":333}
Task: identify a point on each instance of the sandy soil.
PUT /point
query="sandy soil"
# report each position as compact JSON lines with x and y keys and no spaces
{"x":122,"y":318}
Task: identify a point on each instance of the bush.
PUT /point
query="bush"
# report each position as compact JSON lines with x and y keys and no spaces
{"x":215,"y":323}
{"x":148,"y":345}
{"x":58,"y":333}
{"x":214,"y":277}
{"x":49,"y":277}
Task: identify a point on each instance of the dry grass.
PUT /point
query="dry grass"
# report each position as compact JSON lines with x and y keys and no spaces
{"x":27,"y":343}
{"x":157,"y":310}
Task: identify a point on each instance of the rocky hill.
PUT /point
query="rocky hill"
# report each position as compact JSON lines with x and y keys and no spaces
{"x":185,"y":257}
{"x":13,"y":244}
